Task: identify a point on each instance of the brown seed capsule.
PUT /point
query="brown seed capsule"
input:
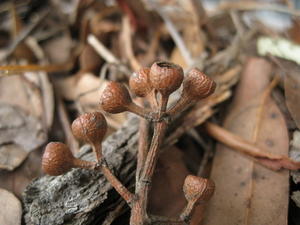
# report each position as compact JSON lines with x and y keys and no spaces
{"x":57,"y":159}
{"x":139,"y":82}
{"x":197,"y":85}
{"x":165,"y":77}
{"x":90,"y":128}
{"x":197,"y":189}
{"x":115,"y":98}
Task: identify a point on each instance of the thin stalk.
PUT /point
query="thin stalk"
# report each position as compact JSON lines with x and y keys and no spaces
{"x":139,"y":213}
{"x":142,"y":112}
{"x":163,"y":104}
{"x":151,"y":97}
{"x":187,"y":211}
{"x":120,"y":188}
{"x":180,"y":106}
{"x":143,"y":144}
{"x":79,"y":163}
{"x":113,"y":180}
{"x":97,"y":149}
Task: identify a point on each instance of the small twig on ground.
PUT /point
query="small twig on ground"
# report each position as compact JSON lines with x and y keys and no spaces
{"x":112,"y":215}
{"x":265,"y":95}
{"x":252,"y":5}
{"x":126,"y":36}
{"x":65,"y":123}
{"x":177,"y":39}
{"x":237,"y":23}
{"x":19,"y":69}
{"x":203,"y":19}
{"x":24,"y":34}
{"x":272,"y":161}
{"x":106,"y":54}
{"x":102,"y":50}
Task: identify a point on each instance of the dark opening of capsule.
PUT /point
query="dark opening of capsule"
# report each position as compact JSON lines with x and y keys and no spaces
{"x":166,"y":64}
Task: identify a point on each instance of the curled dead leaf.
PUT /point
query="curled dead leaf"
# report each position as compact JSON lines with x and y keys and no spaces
{"x":23,"y":132}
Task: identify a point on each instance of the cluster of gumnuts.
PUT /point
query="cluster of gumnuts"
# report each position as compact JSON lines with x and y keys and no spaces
{"x":156,"y":83}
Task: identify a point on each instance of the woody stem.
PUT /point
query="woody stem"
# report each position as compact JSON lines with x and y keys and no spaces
{"x":139,"y":210}
{"x":142,"y":112}
{"x":113,"y":180}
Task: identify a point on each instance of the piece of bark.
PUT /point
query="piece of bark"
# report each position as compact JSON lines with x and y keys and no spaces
{"x":247,"y":193}
{"x":82,"y":196}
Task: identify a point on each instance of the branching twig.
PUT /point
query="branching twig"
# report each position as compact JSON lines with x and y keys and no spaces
{"x":177,"y":39}
{"x":165,"y":78}
{"x":24,"y":34}
{"x":272,"y":161}
{"x":105,"y":53}
{"x":114,"y":214}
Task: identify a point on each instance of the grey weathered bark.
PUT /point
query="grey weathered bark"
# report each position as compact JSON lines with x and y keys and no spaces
{"x":82,"y":196}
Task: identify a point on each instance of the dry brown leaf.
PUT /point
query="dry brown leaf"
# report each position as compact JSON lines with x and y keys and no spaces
{"x":33,"y":93}
{"x":26,"y":113}
{"x":59,"y":49}
{"x":22,"y":50}
{"x":89,"y":60}
{"x":294,"y":32}
{"x":86,"y":89}
{"x":177,"y":58}
{"x":292,"y":92}
{"x":20,"y":134}
{"x":11,"y":209}
{"x":17,"y":180}
{"x":247,"y":193}
{"x":11,"y":156}
{"x":167,"y":184}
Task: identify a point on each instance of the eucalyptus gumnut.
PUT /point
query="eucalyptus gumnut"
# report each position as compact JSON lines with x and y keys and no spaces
{"x":197,"y":189}
{"x":57,"y":159}
{"x":90,"y":127}
{"x":139,"y":82}
{"x":115,"y":98}
{"x":197,"y":85}
{"x":165,"y":77}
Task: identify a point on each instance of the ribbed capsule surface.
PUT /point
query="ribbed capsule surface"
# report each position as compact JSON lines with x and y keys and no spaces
{"x":165,"y":77}
{"x":115,"y":97}
{"x":198,"y":85}
{"x":139,"y":82}
{"x":90,"y":127}
{"x":198,"y":188}
{"x":57,"y":159}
